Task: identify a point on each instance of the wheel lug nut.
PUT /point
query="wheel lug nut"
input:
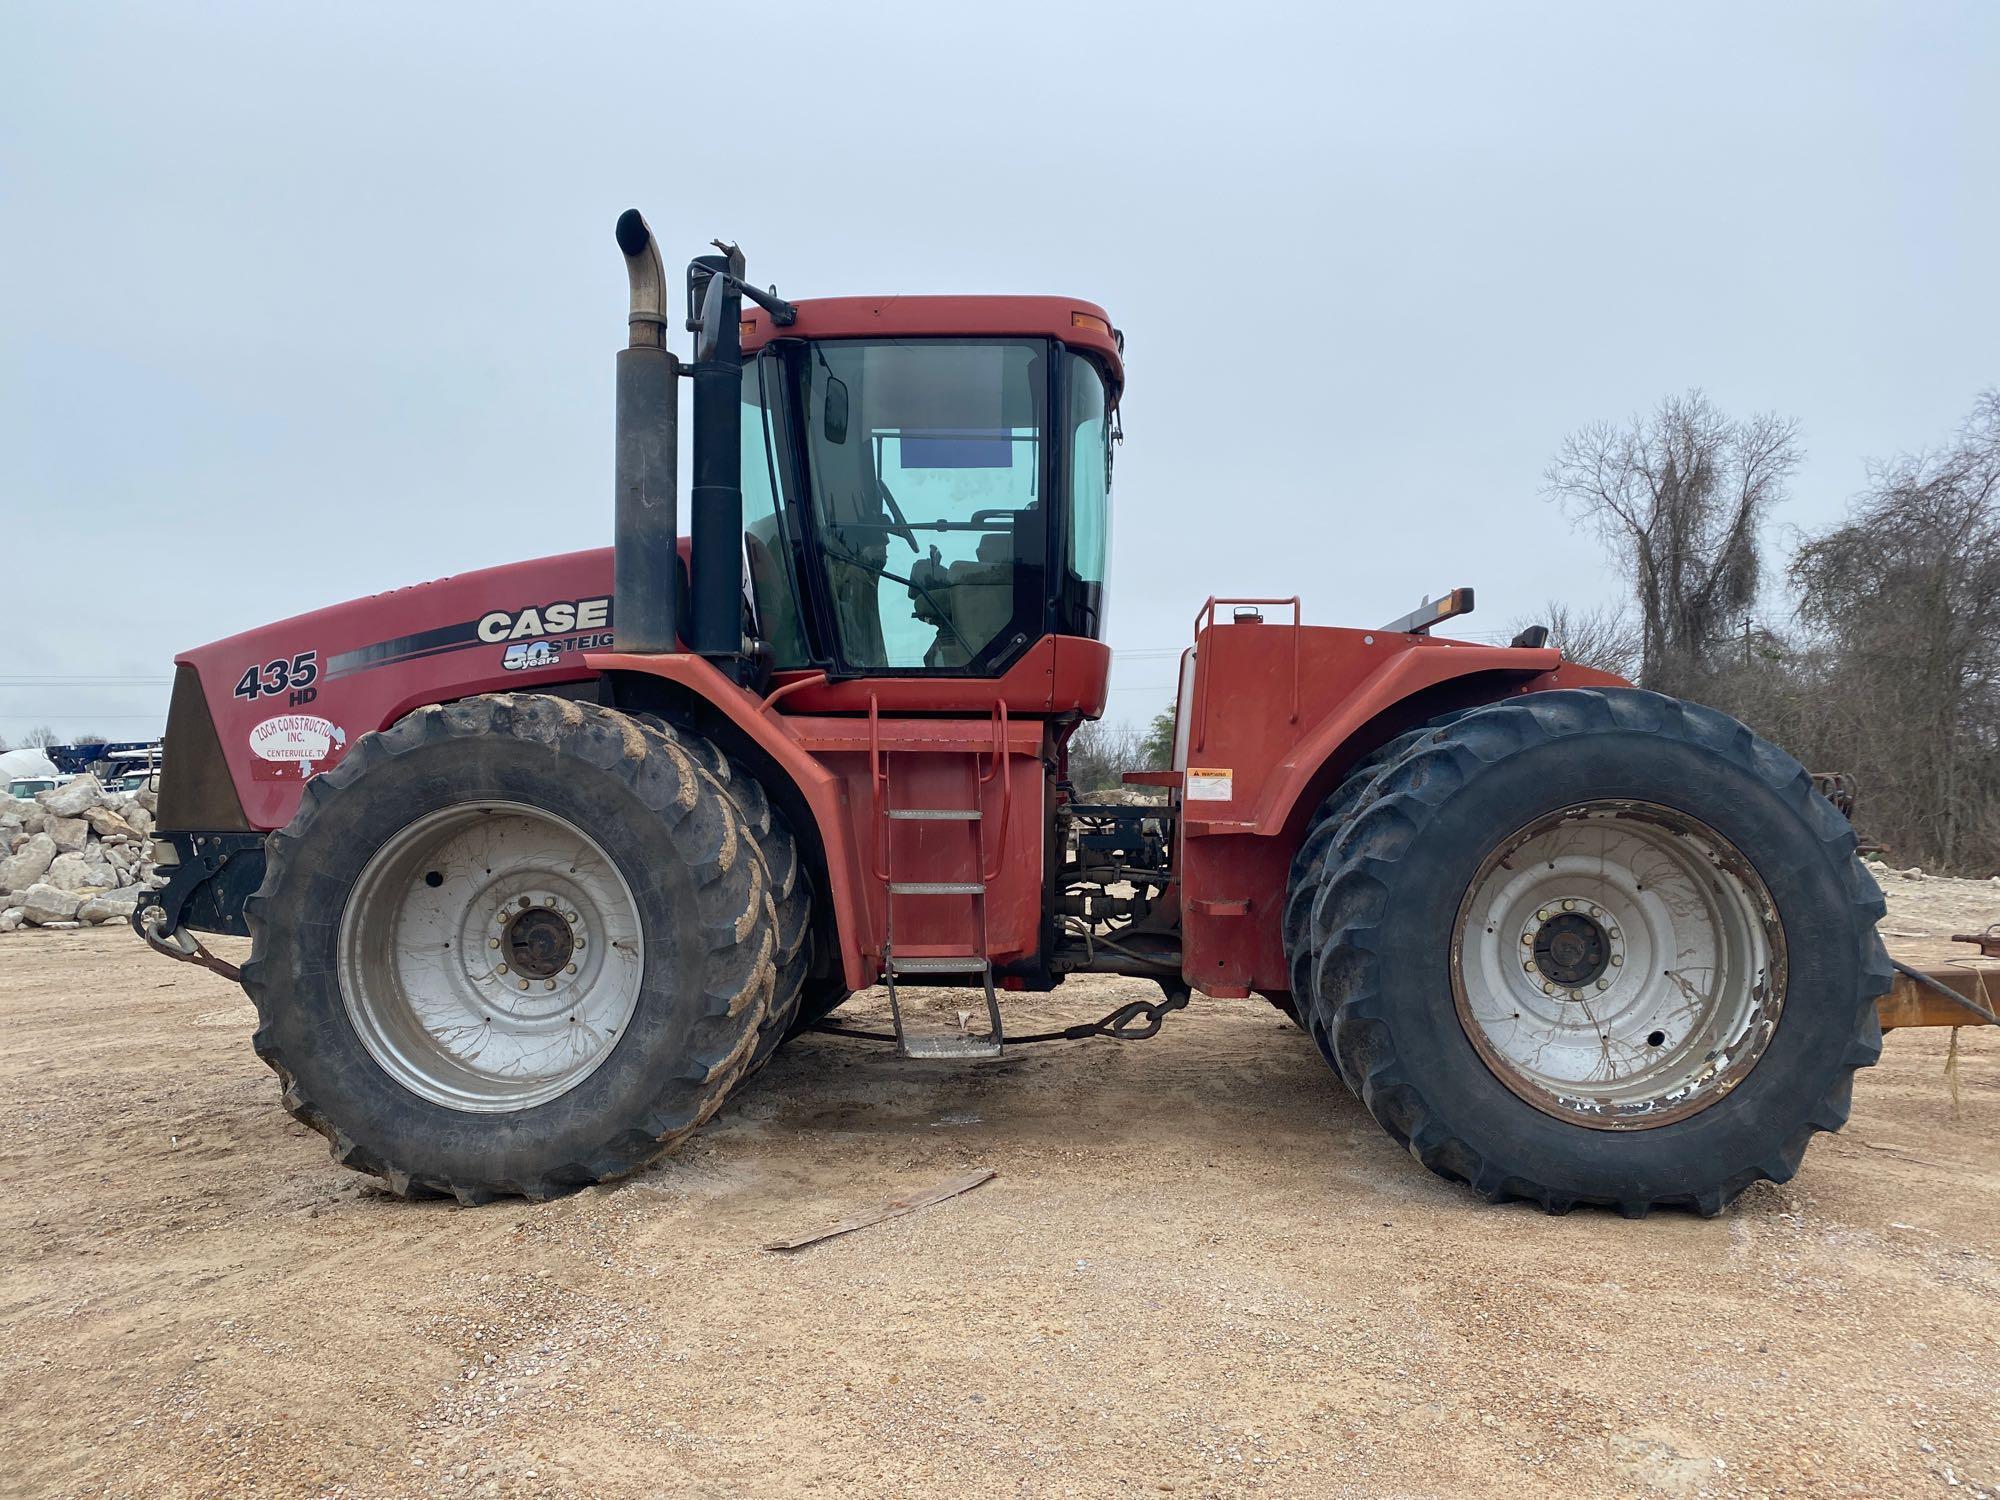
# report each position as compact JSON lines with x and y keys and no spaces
{"x":570,"y":970}
{"x":548,"y":901}
{"x":1576,"y":994}
{"x":1529,"y":966}
{"x":1569,"y":906}
{"x":1542,"y":915}
{"x":526,"y":902}
{"x":1527,"y":937}
{"x":548,"y":984}
{"x":1604,"y":984}
{"x":502,"y":969}
{"x":493,"y":942}
{"x":1617,"y":958}
{"x":1595,"y":912}
{"x":1547,"y":988}
{"x":524,"y":984}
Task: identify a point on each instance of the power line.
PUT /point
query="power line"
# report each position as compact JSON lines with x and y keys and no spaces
{"x":77,"y":682}
{"x":87,"y":716}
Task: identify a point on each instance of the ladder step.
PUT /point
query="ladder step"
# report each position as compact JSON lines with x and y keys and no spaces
{"x":939,"y":963}
{"x":934,"y":814}
{"x":937,"y":888}
{"x":950,"y":1046}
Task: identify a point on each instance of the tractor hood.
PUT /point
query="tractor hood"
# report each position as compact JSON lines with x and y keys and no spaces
{"x":256,"y":714}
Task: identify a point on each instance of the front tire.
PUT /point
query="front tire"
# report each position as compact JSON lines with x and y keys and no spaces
{"x":1697,"y":963}
{"x":512,"y":945}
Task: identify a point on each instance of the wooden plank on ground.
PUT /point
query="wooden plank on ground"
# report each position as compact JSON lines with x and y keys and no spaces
{"x":890,"y":1208}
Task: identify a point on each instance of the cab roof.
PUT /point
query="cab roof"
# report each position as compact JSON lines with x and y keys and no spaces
{"x":1082,"y":325}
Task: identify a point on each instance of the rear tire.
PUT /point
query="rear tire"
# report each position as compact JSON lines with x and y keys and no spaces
{"x":1754,"y":876}
{"x":585,"y":847}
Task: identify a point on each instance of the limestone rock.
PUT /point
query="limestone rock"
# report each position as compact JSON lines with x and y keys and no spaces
{"x":68,"y":872}
{"x":11,"y":918}
{"x":70,"y":834}
{"x":107,"y":823}
{"x":72,"y":797}
{"x":107,"y":908}
{"x":30,"y":864}
{"x":43,"y":904}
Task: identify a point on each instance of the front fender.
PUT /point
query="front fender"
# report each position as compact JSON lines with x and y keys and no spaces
{"x":821,"y":792}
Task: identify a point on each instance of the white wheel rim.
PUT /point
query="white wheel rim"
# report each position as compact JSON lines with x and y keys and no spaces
{"x":1618,"y":964}
{"x":489,"y":957}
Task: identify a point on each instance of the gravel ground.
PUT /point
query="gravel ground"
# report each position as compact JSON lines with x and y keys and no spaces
{"x":1201,"y":1270}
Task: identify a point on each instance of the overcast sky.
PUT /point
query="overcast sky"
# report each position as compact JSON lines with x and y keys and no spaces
{"x":303,"y":303}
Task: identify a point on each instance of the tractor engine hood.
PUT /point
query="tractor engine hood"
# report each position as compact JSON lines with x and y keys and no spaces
{"x":256,"y":714}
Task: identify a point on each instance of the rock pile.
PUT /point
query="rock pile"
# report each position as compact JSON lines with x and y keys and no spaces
{"x":75,"y":855}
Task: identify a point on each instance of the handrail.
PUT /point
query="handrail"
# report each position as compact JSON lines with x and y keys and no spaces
{"x":1003,"y":753}
{"x":815,"y":679}
{"x":878,"y":860}
{"x":1204,"y":618}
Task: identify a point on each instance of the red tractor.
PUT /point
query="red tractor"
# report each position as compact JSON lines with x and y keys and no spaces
{"x":539,"y":862}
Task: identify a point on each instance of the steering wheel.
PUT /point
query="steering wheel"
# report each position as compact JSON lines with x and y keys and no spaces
{"x":902,"y":527}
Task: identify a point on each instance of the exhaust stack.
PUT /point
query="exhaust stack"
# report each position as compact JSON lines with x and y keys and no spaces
{"x":647,"y":526}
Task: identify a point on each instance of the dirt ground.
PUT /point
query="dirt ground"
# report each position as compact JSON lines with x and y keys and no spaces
{"x":1201,"y":1270}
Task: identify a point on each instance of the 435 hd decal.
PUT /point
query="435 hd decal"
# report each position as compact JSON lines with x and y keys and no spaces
{"x":294,"y":675}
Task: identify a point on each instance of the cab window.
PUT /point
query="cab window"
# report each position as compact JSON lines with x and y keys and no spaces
{"x":927,"y":464}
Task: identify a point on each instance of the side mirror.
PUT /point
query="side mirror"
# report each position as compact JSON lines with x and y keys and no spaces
{"x":712,"y":300}
{"x":833,"y":415}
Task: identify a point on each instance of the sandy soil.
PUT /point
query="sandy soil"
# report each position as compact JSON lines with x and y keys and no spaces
{"x":1201,"y":1271}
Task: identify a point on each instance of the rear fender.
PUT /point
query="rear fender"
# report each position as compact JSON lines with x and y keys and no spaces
{"x":1410,"y":688}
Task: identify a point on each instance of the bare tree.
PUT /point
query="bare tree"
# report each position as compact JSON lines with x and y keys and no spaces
{"x":1099,"y":755}
{"x":1905,"y":600}
{"x":40,"y":738}
{"x":1678,"y":497}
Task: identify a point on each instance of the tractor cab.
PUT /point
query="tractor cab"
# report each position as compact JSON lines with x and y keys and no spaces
{"x":926,"y":481}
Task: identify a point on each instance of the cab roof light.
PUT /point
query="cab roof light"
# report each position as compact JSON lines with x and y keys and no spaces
{"x":1090,"y":321}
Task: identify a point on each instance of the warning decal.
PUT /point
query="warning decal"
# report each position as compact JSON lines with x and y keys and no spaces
{"x":1205,"y":784}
